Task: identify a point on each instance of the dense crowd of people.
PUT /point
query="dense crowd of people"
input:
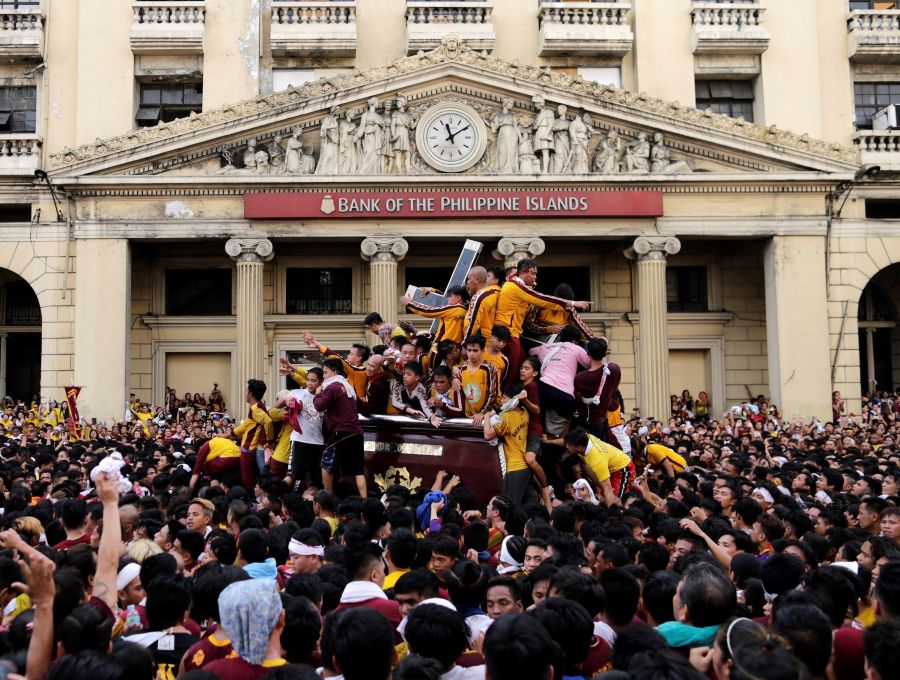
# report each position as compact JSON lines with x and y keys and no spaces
{"x":183,"y":544}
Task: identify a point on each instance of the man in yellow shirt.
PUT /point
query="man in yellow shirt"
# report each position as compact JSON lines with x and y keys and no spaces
{"x":477,"y":380}
{"x":511,"y":426}
{"x":281,"y":453}
{"x":354,"y":364}
{"x":254,"y":433}
{"x":608,"y":469}
{"x":483,"y":304}
{"x":215,"y":458}
{"x":493,"y":353}
{"x":659,"y":457}
{"x":452,"y":315}
{"x":516,"y":297}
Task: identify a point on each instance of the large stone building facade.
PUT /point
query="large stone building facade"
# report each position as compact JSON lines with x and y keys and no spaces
{"x":230,"y":173}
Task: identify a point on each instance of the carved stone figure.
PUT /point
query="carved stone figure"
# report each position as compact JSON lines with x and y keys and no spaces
{"x":387,"y":149}
{"x":370,"y":133}
{"x":276,"y":155}
{"x":528,"y":161}
{"x":328,"y":147}
{"x":401,"y":122}
{"x":293,"y":155}
{"x":250,"y":154}
{"x":579,"y":136}
{"x":543,"y":133}
{"x":608,"y":153}
{"x":661,"y":162}
{"x":561,"y":141}
{"x":347,"y":144}
{"x":637,"y":156}
{"x":307,"y":161}
{"x":261,"y":161}
{"x":506,"y":125}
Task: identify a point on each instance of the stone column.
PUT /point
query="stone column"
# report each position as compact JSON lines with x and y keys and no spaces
{"x":870,"y":358}
{"x":653,"y":355}
{"x":383,"y":253}
{"x":512,"y":249}
{"x":797,"y":338}
{"x":250,"y":254}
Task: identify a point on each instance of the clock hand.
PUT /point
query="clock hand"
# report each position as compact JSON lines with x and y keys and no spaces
{"x":458,"y":131}
{"x":449,"y":134}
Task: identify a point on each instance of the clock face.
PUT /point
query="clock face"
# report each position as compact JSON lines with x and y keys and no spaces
{"x":451,"y":137}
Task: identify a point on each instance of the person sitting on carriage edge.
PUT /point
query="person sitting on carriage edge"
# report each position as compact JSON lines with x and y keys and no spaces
{"x":410,"y":397}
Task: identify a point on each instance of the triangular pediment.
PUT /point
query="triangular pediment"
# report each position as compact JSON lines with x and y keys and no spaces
{"x":624,"y":134}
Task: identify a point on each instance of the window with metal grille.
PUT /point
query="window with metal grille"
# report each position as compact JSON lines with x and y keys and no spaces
{"x":18,"y":109}
{"x":198,"y":292}
{"x":732,"y":97}
{"x":871,"y":4}
{"x":869,"y":98}
{"x":16,"y":4}
{"x":165,"y":102}
{"x":22,"y":306}
{"x":319,"y":291}
{"x":686,"y":289}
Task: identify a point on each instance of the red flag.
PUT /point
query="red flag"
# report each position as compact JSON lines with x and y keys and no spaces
{"x":73,"y":420}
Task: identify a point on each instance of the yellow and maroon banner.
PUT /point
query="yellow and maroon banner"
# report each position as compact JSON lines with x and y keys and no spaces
{"x":73,"y":420}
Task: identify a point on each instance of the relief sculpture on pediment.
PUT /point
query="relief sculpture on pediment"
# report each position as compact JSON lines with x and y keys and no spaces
{"x":382,"y":139}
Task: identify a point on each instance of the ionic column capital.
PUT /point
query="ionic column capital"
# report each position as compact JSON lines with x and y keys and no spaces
{"x":653,"y":247}
{"x":384,"y":248}
{"x":250,"y":249}
{"x":511,"y":249}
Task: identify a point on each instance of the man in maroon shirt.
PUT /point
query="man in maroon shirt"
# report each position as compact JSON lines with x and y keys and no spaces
{"x":72,"y":513}
{"x":596,"y":386}
{"x":343,"y":453}
{"x":365,"y":588}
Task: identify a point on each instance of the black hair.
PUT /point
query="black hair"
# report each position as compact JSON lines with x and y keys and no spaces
{"x":564,"y":291}
{"x":364,"y":351}
{"x":577,"y":437}
{"x":224,"y":549}
{"x":501,"y":332}
{"x":476,"y":339}
{"x":157,"y":565}
{"x":442,"y":371}
{"x":633,"y":640}
{"x":372,"y":317}
{"x":653,"y":555}
{"x":887,"y":588}
{"x":597,"y":348}
{"x":466,"y":583}
{"x":621,"y":609}
{"x":512,"y":389}
{"x":420,"y":581}
{"x":206,"y":585}
{"x":476,"y":536}
{"x":402,"y":545}
{"x":413,"y":367}
{"x":881,"y":642}
{"x":497,"y":273}
{"x":458,"y":290}
{"x":302,"y":627}
{"x":168,"y":599}
{"x":570,"y":626}
{"x":136,"y":661}
{"x":253,"y":545}
{"x":708,"y":594}
{"x":334,"y":365}
{"x":834,"y":589}
{"x":517,"y":646}
{"x":72,"y":513}
{"x":508,"y":582}
{"x":658,"y":594}
{"x":436,"y":632}
{"x":443,"y":544}
{"x":361,"y":559}
{"x":257,"y":388}
{"x":86,"y":665}
{"x":808,"y":630}
{"x":85,"y":629}
{"x":418,"y":668}
{"x":525,"y":264}
{"x":362,"y":643}
{"x":578,"y":587}
{"x":192,"y":542}
{"x":781,"y":572}
{"x":569,"y":334}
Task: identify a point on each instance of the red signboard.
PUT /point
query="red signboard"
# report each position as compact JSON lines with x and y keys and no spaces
{"x":451,"y":204}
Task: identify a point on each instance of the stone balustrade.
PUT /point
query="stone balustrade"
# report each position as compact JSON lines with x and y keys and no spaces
{"x":172,"y":27}
{"x":729,"y":28}
{"x":314,"y":27}
{"x":873,"y":36}
{"x":22,"y":32}
{"x":879,"y":147}
{"x":20,"y":154}
{"x":585,"y":28}
{"x":428,"y":22}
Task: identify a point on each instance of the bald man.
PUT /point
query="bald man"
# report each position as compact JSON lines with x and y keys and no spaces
{"x":483,"y":304}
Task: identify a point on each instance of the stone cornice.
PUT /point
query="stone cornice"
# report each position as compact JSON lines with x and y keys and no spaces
{"x":455,"y":61}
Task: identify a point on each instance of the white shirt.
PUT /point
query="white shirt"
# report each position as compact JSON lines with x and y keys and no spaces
{"x":310,"y":419}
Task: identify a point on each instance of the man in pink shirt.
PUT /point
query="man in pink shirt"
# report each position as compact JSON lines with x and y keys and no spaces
{"x":559,"y":364}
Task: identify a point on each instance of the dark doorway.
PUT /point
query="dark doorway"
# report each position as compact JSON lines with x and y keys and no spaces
{"x":23,"y":365}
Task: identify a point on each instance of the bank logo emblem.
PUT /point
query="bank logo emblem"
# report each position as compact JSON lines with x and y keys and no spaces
{"x":327,"y":204}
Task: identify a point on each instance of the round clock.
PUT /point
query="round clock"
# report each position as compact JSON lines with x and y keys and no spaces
{"x":451,"y":137}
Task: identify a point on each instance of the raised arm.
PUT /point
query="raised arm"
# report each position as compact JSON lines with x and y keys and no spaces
{"x":110,"y":541}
